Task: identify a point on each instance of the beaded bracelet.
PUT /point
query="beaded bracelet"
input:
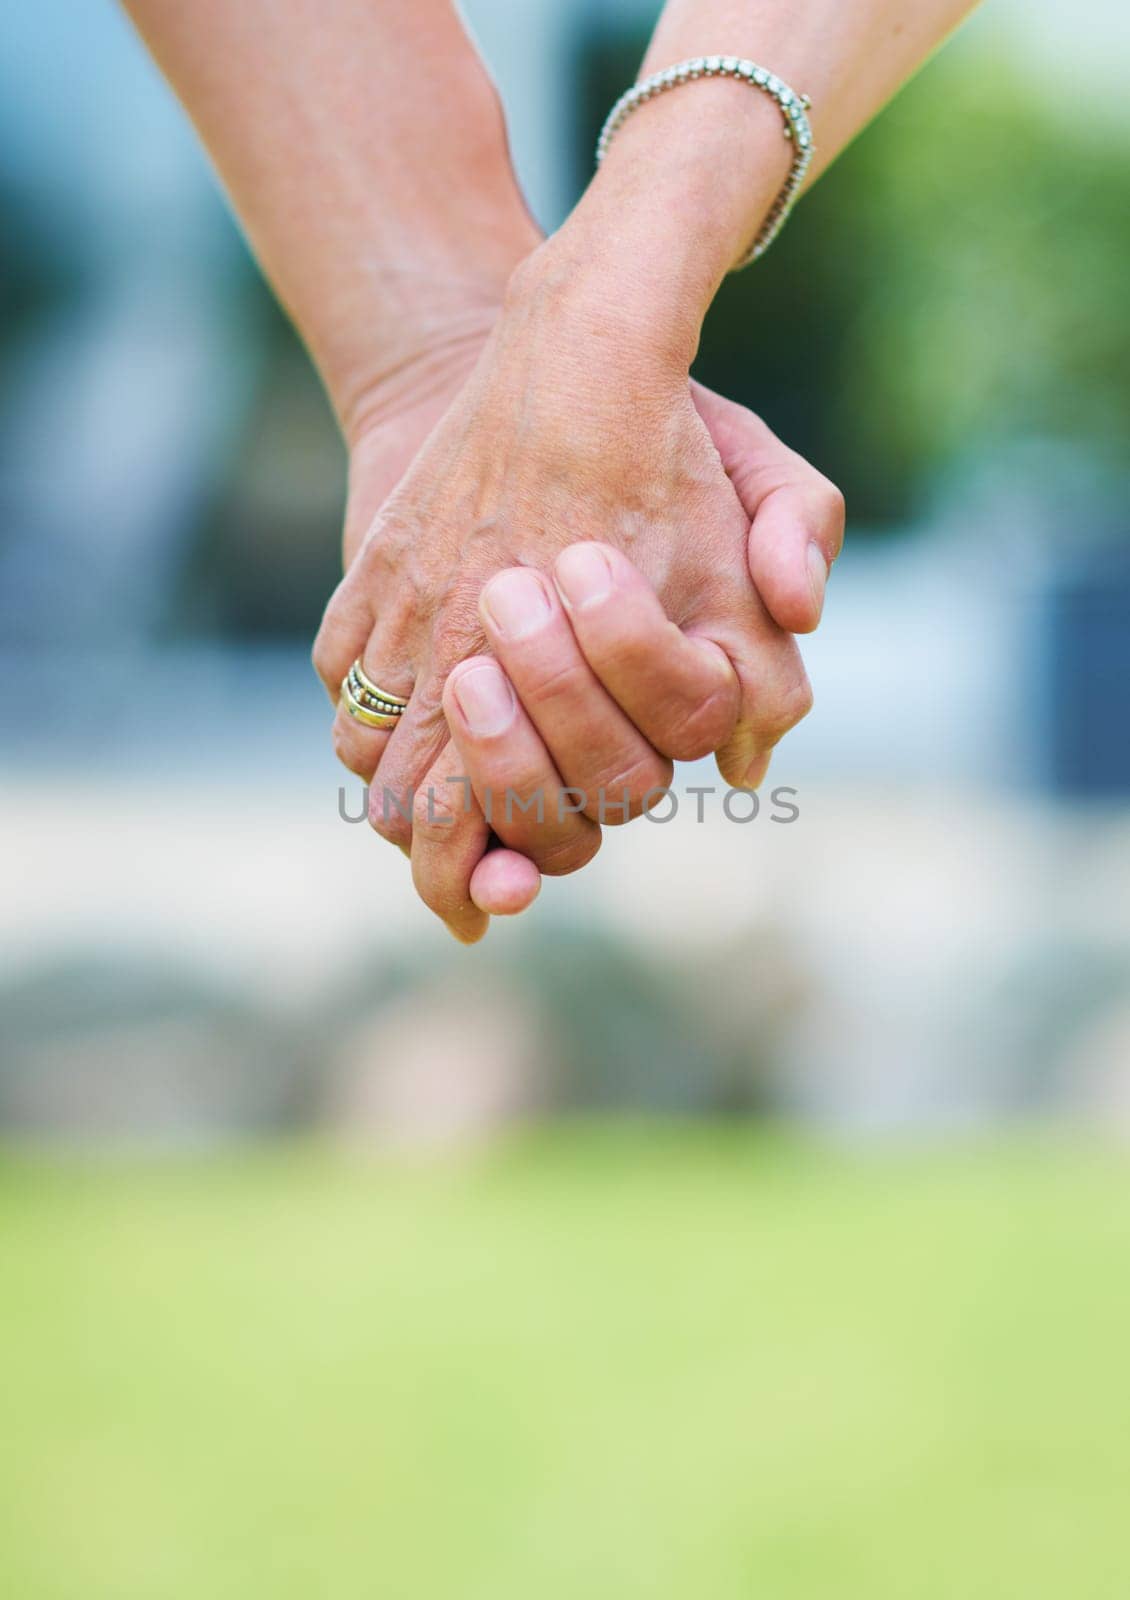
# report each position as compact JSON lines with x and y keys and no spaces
{"x":794,"y":108}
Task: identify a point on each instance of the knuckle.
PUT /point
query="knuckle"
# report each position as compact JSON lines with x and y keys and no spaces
{"x":562,"y":681}
{"x":626,"y":647}
{"x":569,"y":853}
{"x":800,"y":700}
{"x":324,"y":658}
{"x":347,"y":617}
{"x":434,"y":818}
{"x":788,"y":707}
{"x":355,"y":754}
{"x":700,"y":729}
{"x":506,"y":788}
{"x":608,"y":790}
{"x":388,"y":819}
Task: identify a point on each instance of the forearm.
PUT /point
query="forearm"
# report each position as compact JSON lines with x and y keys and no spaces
{"x":364,"y":150}
{"x":691,"y":175}
{"x":849,"y":56}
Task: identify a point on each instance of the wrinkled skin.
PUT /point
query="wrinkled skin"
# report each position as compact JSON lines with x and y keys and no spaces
{"x":561,"y":433}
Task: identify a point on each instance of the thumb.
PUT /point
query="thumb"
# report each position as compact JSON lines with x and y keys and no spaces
{"x":796,"y":514}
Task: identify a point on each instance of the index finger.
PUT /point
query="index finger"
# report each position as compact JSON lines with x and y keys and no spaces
{"x":680,"y":690}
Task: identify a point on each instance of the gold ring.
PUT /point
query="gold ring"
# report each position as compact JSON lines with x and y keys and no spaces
{"x":367,"y":686}
{"x":367,"y":703}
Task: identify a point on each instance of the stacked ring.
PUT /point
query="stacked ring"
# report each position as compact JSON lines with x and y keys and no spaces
{"x":366,"y":702}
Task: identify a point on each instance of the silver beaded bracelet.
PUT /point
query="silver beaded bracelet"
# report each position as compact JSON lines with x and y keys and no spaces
{"x":794,"y":108}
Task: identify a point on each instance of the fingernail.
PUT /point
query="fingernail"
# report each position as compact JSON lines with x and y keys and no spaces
{"x":817,"y":575}
{"x":583,"y":575}
{"x":486,"y":700}
{"x":755,"y":775}
{"x":516,"y":603}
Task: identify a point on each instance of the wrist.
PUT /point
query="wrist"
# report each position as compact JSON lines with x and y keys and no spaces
{"x":425,"y":357}
{"x":601,"y":296}
{"x":680,"y":196}
{"x":415,"y":316}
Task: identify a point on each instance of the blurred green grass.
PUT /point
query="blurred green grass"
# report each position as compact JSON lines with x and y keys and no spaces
{"x":621,"y":1362}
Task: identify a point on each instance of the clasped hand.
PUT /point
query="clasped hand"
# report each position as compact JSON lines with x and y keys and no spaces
{"x":589,"y":567}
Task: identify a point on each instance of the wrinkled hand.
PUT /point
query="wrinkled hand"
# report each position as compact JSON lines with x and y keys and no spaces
{"x":561,"y":435}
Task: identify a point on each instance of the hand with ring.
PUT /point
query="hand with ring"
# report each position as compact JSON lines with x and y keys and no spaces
{"x":647,"y":642}
{"x":566,"y":564}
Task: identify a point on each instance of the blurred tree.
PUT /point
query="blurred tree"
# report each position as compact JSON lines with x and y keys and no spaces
{"x":980,"y":240}
{"x":957,"y":281}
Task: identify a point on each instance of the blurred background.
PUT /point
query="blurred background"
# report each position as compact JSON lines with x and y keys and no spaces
{"x":752,"y":1213}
